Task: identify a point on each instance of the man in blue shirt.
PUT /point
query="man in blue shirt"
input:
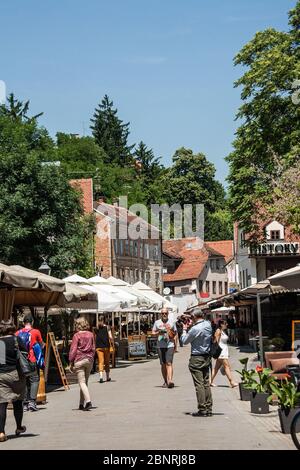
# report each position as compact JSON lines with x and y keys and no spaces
{"x":200,"y":337}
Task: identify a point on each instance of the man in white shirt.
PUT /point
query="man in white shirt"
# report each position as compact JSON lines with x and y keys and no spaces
{"x":165,"y":331}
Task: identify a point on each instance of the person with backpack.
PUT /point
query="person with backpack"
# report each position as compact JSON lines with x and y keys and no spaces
{"x":34,"y":344}
{"x":12,"y":383}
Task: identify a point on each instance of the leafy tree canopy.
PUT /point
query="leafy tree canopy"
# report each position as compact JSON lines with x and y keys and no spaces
{"x":111,"y":134}
{"x":191,"y":180}
{"x":40,"y":214}
{"x":270,"y":126}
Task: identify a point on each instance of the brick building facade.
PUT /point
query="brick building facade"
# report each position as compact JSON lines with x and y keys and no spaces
{"x":118,"y":253}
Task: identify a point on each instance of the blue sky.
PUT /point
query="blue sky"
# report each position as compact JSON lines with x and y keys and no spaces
{"x":167,"y":65}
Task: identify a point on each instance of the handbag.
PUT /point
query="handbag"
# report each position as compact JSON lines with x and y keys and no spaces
{"x":25,"y":367}
{"x":215,"y":350}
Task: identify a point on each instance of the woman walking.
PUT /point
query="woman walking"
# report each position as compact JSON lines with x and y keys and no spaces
{"x":12,"y":386}
{"x":81,"y":357}
{"x":222,"y":361}
{"x":103,"y":341}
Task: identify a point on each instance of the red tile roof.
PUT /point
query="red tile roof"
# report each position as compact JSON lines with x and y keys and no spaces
{"x":123,"y":215}
{"x":224,"y":247}
{"x":86,"y":187}
{"x":194,"y":254}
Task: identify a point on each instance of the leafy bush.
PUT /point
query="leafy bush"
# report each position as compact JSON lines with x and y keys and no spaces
{"x":287,"y":394}
{"x":246,"y":375}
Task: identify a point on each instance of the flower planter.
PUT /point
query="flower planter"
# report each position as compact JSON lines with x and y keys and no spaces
{"x":259,"y":404}
{"x":245,"y":394}
{"x":286,"y":417}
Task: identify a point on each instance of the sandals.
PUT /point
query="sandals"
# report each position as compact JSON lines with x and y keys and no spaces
{"x":3,"y":438}
{"x":234,"y":385}
{"x":212,"y":385}
{"x":20,"y":431}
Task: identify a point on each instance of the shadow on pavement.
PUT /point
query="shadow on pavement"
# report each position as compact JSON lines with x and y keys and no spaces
{"x":13,"y":436}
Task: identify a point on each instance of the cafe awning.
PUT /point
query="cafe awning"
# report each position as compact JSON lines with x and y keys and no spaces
{"x":20,"y":286}
{"x":20,"y":277}
{"x":288,"y":279}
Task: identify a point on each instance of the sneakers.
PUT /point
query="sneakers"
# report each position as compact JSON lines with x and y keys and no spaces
{"x":81,"y":407}
{"x":88,"y":406}
{"x":25,"y":407}
{"x":32,"y":406}
{"x":202,"y":413}
{"x":197,"y":414}
{"x":101,"y":381}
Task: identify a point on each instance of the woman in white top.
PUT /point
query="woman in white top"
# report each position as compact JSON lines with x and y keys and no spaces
{"x":222,"y":338}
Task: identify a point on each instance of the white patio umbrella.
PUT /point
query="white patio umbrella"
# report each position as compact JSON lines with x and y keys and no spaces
{"x":74,"y":278}
{"x":105,"y":286}
{"x":97,"y":280}
{"x":143,"y":300}
{"x":223,"y":310}
{"x":106,"y":302}
{"x":156,"y":298}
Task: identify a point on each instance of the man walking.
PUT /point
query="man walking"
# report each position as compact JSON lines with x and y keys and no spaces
{"x":31,"y":337}
{"x":165,"y":331}
{"x":200,"y":337}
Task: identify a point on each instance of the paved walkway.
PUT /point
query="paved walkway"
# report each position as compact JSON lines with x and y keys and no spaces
{"x":135,"y":412}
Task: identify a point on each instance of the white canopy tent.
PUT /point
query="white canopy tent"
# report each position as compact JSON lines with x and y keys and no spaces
{"x":128,"y":299}
{"x":143,"y":301}
{"x":223,"y":310}
{"x":156,"y":298}
{"x":75,"y":279}
{"x":106,"y":302}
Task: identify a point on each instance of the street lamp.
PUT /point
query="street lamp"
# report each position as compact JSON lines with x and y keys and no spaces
{"x":44,"y":268}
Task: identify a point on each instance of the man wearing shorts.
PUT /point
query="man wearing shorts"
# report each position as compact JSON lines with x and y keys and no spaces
{"x":165,"y":331}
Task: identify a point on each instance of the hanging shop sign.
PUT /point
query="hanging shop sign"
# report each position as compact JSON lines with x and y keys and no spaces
{"x":273,"y":249}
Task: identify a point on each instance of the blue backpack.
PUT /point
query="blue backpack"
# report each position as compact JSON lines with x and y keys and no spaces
{"x":40,"y":362}
{"x":25,"y":337}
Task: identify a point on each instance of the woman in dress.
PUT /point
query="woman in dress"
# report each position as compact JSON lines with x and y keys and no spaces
{"x":12,"y":385}
{"x":222,"y":338}
{"x":81,"y":357}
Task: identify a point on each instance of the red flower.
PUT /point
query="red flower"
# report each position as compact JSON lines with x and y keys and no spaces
{"x":259,"y":369}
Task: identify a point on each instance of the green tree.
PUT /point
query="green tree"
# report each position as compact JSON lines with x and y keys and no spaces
{"x":111,"y":134}
{"x":191,"y":180}
{"x":148,"y":168}
{"x":81,"y":157}
{"x":270,"y":125}
{"x":40,"y":214}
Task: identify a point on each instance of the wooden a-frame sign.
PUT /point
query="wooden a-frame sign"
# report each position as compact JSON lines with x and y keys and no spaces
{"x":51,"y":344}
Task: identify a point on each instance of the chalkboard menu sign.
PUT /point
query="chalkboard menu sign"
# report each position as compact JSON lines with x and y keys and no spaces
{"x":137,"y":348}
{"x":296,"y":336}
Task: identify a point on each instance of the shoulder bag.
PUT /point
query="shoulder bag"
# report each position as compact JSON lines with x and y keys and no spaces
{"x":24,"y":366}
{"x":215,"y":349}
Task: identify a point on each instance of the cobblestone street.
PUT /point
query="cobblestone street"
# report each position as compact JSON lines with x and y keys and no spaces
{"x":135,"y":412}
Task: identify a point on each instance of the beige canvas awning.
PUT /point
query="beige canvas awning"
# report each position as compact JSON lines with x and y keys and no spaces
{"x":24,"y":287}
{"x":288,"y":279}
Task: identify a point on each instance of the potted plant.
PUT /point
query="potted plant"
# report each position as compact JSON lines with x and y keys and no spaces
{"x":246,"y":379}
{"x":261,"y":390}
{"x":288,"y":401}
